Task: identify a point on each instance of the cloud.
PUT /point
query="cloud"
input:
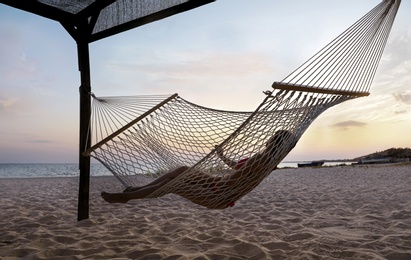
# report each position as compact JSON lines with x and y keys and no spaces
{"x":395,"y":68}
{"x":6,"y":103}
{"x":398,"y":47}
{"x":198,"y":76}
{"x":403,"y":97}
{"x":39,"y":141}
{"x":345,"y":125}
{"x":401,"y":112}
{"x":201,"y":65}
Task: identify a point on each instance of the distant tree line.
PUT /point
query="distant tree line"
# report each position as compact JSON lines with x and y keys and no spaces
{"x":394,"y":153}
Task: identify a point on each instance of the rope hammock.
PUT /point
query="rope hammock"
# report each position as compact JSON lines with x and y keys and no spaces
{"x":140,"y":138}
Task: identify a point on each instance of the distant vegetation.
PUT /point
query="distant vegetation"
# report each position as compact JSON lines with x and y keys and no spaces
{"x":394,"y":153}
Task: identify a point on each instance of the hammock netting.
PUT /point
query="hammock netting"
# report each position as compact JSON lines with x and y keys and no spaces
{"x":140,"y":138}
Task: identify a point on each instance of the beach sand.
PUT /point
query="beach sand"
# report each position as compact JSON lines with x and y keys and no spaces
{"x":342,"y":212}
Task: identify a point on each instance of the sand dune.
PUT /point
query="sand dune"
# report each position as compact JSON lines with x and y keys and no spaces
{"x":315,"y":213}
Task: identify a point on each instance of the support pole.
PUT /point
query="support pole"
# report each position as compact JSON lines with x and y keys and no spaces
{"x":85,"y":142}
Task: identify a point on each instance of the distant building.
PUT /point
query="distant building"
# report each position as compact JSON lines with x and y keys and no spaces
{"x":402,"y":160}
{"x":375,"y":160}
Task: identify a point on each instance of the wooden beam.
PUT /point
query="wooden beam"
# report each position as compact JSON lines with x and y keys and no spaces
{"x":122,"y":129}
{"x":303,"y":88}
{"x":84,"y":142}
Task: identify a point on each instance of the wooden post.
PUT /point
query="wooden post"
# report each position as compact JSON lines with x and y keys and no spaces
{"x":85,"y":142}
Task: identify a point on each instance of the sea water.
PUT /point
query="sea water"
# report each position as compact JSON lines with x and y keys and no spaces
{"x":35,"y":170}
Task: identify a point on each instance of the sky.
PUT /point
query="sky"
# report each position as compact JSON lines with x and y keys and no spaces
{"x":222,"y":55}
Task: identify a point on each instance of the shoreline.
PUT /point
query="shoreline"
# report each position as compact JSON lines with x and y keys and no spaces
{"x":108,"y":174}
{"x":300,"y":213}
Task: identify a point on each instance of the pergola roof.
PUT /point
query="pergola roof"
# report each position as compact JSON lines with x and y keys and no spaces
{"x":103,"y":18}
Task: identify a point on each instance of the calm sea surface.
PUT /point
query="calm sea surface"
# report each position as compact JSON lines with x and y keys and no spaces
{"x":29,"y":170}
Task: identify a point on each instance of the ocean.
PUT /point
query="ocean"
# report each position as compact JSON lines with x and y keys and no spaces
{"x":35,"y":170}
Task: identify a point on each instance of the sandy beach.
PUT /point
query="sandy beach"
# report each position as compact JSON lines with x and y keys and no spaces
{"x":347,"y":212}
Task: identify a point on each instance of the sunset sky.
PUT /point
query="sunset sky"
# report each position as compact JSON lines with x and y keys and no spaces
{"x":222,"y":55}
